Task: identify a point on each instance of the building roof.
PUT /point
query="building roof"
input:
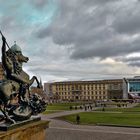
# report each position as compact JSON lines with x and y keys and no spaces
{"x":94,"y":81}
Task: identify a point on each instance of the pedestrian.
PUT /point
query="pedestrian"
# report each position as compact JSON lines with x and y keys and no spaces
{"x":75,"y":107}
{"x":85,"y":108}
{"x":70,"y":107}
{"x":77,"y":119}
{"x":90,"y":107}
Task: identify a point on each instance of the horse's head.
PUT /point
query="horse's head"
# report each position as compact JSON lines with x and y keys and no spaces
{"x":21,"y":58}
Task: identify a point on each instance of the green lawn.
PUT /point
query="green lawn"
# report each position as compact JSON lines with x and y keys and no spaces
{"x":135,"y":109}
{"x":62,"y":106}
{"x":118,"y":116}
{"x":59,"y":107}
{"x":107,"y":118}
{"x":121,"y":109}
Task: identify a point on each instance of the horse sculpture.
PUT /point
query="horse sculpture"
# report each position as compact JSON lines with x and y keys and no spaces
{"x":16,"y":103}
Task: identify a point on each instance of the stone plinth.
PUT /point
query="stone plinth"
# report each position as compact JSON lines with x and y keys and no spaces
{"x":32,"y":131}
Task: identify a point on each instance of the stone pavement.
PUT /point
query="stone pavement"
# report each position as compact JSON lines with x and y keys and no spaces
{"x":58,"y":114}
{"x":61,"y":130}
{"x":83,"y":134}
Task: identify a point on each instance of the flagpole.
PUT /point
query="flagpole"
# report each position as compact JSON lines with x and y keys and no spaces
{"x":5,"y":40}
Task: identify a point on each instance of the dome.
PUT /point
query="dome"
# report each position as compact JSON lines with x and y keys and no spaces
{"x":16,"y":48}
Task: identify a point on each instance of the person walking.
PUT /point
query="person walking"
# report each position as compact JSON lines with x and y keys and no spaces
{"x":77,"y":119}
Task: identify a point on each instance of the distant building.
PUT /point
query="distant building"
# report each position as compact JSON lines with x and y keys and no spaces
{"x":39,"y":91}
{"x":85,"y":90}
{"x":47,"y":88}
{"x":115,"y":89}
{"x":36,"y":90}
{"x":48,"y":91}
{"x":131,"y":88}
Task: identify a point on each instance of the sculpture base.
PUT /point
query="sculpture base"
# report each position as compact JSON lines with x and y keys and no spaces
{"x":4,"y":126}
{"x":32,"y":131}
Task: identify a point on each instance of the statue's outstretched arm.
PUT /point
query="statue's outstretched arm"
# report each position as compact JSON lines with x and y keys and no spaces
{"x":7,"y":64}
{"x":4,"y":49}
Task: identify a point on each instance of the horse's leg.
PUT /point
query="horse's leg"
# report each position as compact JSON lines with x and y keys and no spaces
{"x":3,"y":110}
{"x":7,"y":116}
{"x":32,"y":80}
{"x":38,"y":84}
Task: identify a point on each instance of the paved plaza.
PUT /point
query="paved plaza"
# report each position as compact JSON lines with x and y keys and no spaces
{"x":61,"y":130}
{"x":87,"y":134}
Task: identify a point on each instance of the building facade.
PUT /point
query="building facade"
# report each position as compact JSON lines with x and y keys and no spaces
{"x":86,"y":90}
{"x":131,"y":88}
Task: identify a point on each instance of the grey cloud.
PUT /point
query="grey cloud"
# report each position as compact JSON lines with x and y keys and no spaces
{"x":42,"y":33}
{"x":8,"y":22}
{"x":135,"y":64}
{"x":39,"y":3}
{"x":99,"y":1}
{"x":131,"y":59}
{"x":128,"y":23}
{"x":111,"y":48}
{"x":88,"y":28}
{"x":93,"y":28}
{"x":74,"y":24}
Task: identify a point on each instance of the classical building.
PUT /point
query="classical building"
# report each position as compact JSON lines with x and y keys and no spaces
{"x":85,"y":90}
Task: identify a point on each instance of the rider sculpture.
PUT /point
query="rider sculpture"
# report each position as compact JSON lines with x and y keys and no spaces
{"x":15,"y":99}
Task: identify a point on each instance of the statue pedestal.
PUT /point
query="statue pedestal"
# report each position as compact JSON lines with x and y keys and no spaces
{"x":32,"y":131}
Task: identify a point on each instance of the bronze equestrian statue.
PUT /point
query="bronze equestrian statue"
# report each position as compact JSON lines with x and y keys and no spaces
{"x":16,"y":103}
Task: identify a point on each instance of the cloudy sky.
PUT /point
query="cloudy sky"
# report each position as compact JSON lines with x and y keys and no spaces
{"x":75,"y":39}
